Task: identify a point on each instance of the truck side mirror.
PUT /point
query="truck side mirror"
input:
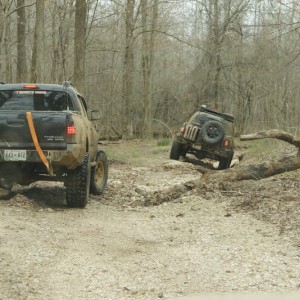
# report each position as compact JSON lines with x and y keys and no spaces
{"x":96,"y":115}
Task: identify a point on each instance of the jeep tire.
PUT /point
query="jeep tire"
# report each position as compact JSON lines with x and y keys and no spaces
{"x":176,"y":150}
{"x":224,"y":162}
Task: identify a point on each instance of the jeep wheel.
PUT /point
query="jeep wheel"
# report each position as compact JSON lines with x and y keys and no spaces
{"x":78,"y":184}
{"x":212,"y":132}
{"x":175,"y":150}
{"x":5,"y":194}
{"x":224,"y":162}
{"x":99,"y":173}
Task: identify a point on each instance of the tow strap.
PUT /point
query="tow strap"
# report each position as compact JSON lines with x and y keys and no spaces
{"x":36,"y":143}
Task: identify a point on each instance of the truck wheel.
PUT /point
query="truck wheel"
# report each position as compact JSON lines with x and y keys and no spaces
{"x":224,"y":162}
{"x":212,"y":132}
{"x":176,"y":150}
{"x":78,"y":184}
{"x":99,"y":173}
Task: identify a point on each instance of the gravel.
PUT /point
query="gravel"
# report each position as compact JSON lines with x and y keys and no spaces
{"x":239,"y":239}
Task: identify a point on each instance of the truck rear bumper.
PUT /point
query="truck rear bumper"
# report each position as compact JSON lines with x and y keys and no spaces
{"x":70,"y":158}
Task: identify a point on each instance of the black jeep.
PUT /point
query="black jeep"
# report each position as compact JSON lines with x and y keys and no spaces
{"x":207,"y":134}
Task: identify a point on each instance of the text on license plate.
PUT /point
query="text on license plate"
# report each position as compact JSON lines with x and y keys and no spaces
{"x":14,"y":155}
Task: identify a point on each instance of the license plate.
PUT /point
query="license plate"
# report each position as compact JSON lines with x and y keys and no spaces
{"x":14,"y":155}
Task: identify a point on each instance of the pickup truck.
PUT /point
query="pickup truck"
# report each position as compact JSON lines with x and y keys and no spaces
{"x":45,"y":134}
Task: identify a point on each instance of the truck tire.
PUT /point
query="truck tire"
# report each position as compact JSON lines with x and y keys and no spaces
{"x":99,"y":174}
{"x":176,"y":150}
{"x":212,"y":132}
{"x":224,"y":162}
{"x":78,"y":184}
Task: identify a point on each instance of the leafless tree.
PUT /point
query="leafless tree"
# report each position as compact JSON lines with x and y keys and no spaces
{"x":128,"y":68}
{"x":38,"y":53}
{"x":80,"y":44}
{"x":21,"y":57}
{"x":149,"y":24}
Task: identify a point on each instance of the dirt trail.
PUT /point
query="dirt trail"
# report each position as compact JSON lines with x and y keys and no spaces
{"x":243,"y":237}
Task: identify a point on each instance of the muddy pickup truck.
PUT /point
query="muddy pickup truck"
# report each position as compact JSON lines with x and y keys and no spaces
{"x":45,"y":134}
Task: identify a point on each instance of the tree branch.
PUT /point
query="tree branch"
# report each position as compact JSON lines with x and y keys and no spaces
{"x":274,"y":133}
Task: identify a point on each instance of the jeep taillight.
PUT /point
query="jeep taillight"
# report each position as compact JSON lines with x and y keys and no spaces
{"x":226,"y":143}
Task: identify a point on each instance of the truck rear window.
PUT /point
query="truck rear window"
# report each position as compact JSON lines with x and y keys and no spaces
{"x":35,"y":100}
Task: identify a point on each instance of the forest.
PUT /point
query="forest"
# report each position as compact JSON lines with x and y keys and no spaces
{"x":149,"y":64}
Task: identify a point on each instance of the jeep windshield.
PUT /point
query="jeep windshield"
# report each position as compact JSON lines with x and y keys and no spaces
{"x":27,"y":100}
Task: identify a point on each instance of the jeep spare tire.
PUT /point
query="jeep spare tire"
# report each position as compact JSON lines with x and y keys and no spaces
{"x":212,"y":132}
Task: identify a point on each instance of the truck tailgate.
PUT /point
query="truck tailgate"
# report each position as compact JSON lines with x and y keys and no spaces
{"x":50,"y":128}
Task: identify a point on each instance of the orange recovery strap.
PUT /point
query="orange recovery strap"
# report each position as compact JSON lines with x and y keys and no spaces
{"x":36,"y":143}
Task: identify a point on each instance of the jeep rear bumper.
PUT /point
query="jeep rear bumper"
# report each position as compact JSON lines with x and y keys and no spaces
{"x":213,"y":152}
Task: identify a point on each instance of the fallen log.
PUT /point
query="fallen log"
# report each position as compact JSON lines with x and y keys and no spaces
{"x":286,"y":163}
{"x":255,"y":172}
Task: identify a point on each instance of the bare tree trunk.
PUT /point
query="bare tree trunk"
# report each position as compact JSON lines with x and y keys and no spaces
{"x":148,"y":41}
{"x":80,"y":45}
{"x":2,"y":26}
{"x":55,"y":44}
{"x":21,"y":56}
{"x":38,"y":53}
{"x":33,"y":75}
{"x":216,"y":61}
{"x":65,"y":15}
{"x":7,"y":51}
{"x":128,"y":67}
{"x":5,"y":62}
{"x":146,"y":70}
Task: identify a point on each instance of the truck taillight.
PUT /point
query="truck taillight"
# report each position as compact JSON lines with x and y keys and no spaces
{"x":31,"y":86}
{"x":71,"y":130}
